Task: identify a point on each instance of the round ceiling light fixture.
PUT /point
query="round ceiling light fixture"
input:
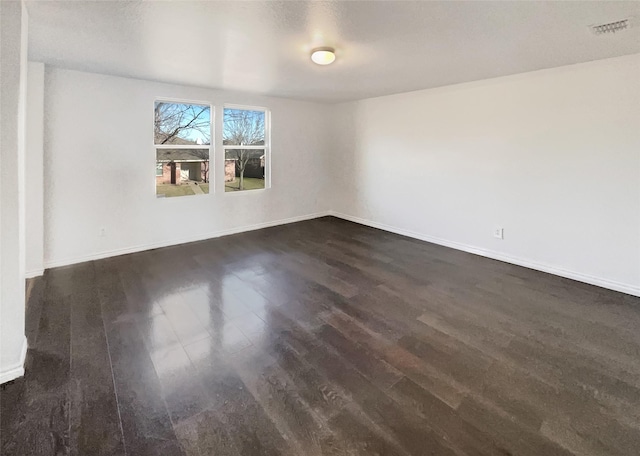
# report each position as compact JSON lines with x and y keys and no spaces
{"x":323,"y":55}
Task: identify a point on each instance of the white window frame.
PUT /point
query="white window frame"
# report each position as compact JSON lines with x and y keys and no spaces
{"x":209,"y":146}
{"x":266,"y":147}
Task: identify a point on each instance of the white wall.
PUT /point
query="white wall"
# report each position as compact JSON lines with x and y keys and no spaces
{"x":13,"y":48}
{"x":34,"y":204}
{"x":100,"y":168}
{"x":552,"y":156}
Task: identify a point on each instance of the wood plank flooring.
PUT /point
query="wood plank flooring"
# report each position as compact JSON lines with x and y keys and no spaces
{"x":322,"y":338}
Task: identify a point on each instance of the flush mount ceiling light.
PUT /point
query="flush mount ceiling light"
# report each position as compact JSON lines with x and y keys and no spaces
{"x":323,"y":55}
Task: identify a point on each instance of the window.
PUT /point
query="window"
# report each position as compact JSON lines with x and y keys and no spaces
{"x":246,"y":148}
{"x":182,"y":137}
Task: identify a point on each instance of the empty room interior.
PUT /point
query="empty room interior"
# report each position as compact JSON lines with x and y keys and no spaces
{"x":320,"y":228}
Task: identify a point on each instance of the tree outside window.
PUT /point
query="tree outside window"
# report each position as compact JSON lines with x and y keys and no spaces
{"x":245,"y":145}
{"x":182,"y":136}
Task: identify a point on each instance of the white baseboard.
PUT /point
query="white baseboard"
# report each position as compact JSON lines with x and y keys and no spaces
{"x":33,"y":273}
{"x":202,"y":237}
{"x":598,"y":281}
{"x":16,"y":370}
{"x":604,"y":283}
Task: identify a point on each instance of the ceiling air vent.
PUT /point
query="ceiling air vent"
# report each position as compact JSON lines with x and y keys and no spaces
{"x":611,"y":27}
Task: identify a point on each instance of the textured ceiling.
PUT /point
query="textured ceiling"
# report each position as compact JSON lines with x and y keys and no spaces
{"x":382,"y":47}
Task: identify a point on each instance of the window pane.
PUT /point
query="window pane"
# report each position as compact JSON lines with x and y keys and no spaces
{"x":243,"y":127}
{"x":184,"y":172}
{"x":244,"y":169}
{"x":182,"y":124}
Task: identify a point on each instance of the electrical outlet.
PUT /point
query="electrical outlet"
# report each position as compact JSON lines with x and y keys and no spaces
{"x":498,"y":233}
{"x":102,"y":232}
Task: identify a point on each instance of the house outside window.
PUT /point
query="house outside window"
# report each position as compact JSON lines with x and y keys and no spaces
{"x":182,"y":138}
{"x":246,"y":148}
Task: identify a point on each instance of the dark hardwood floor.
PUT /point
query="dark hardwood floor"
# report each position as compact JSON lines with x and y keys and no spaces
{"x":323,"y":338}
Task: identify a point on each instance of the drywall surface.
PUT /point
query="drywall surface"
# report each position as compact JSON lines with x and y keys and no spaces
{"x":13,"y":77}
{"x":99,"y":168}
{"x":34,"y":204}
{"x":552,"y":156}
{"x":382,"y":47}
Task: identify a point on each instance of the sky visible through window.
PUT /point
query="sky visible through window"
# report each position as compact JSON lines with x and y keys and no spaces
{"x":182,"y":124}
{"x":243,"y":127}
